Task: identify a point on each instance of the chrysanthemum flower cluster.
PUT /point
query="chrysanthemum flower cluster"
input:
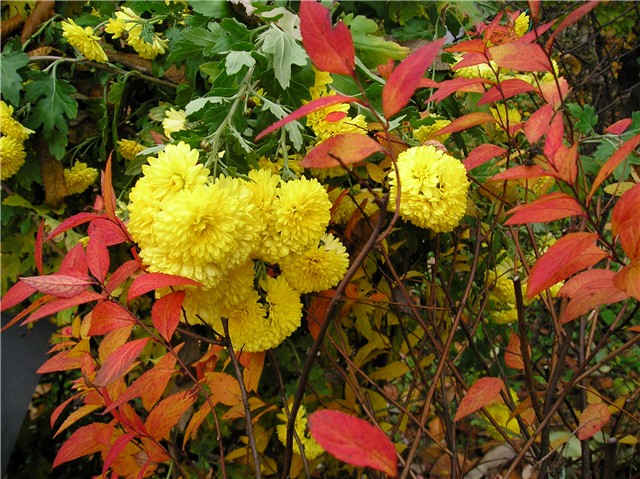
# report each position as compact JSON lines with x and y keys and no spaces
{"x":79,"y":177}
{"x":12,"y":154}
{"x":432,"y":187}
{"x":213,"y":230}
{"x":129,"y":26}
{"x":84,"y":40}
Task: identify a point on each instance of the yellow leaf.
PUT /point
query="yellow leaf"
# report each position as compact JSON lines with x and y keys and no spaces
{"x":390,"y":371}
{"x":376,"y":173}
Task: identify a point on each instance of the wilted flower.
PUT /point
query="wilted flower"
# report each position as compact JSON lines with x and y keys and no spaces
{"x":433,"y":190}
{"x":84,"y":40}
{"x":129,"y":148}
{"x":79,"y":177}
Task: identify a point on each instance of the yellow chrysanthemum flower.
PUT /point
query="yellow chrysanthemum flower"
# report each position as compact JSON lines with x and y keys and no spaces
{"x":311,"y":448}
{"x":129,"y":148}
{"x":501,"y":114}
{"x":203,"y":232}
{"x":433,"y":188}
{"x":12,"y":156}
{"x":9,"y":126}
{"x":200,"y":305}
{"x":284,"y":310}
{"x":319,"y":268}
{"x":173,"y":170}
{"x":249,"y":330}
{"x":300,"y":215}
{"x":174,"y":120}
{"x":349,"y":203}
{"x":146,"y":50}
{"x":426,"y":132}
{"x":79,"y":177}
{"x":521,"y":25}
{"x":128,"y":21}
{"x":275,"y":165}
{"x":143,"y":209}
{"x":84,"y":41}
{"x":482,"y":70}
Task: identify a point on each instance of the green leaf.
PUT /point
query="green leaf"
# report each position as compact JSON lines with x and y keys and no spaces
{"x":371,"y":47}
{"x":17,"y":200}
{"x":283,"y":51}
{"x":11,"y":83}
{"x":53,"y":110}
{"x":211,"y":8}
{"x":235,"y":61}
{"x":587,"y":118}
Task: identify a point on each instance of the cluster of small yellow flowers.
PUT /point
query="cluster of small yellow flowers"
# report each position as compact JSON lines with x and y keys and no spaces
{"x":521,"y":25}
{"x":332,"y":120}
{"x":12,"y":154}
{"x":433,"y":188}
{"x":129,"y":26}
{"x":311,"y":448}
{"x":174,"y":120}
{"x":128,"y":149}
{"x":84,"y":40}
{"x":79,"y":177}
{"x":501,"y":414}
{"x":211,"y":230}
{"x":426,"y":132}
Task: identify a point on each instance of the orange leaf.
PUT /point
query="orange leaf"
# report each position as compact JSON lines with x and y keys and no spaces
{"x":447,"y":87}
{"x":405,"y":78}
{"x":588,"y":290}
{"x":507,"y":89}
{"x":195,"y":422}
{"x":108,"y":193}
{"x":477,"y":45}
{"x":330,"y":48}
{"x":570,"y":19}
{"x":313,"y":105}
{"x":167,"y":414}
{"x":592,"y":419}
{"x":481,"y":154}
{"x":151,"y":281}
{"x":620,"y":155}
{"x":76,"y":415}
{"x":538,"y":123}
{"x":348,"y":147}
{"x":86,"y":440}
{"x":567,"y":256}
{"x":483,"y":392}
{"x":513,"y":353}
{"x":553,"y":93}
{"x":521,"y":172}
{"x":317,"y":311}
{"x":60,"y":304}
{"x":565,"y":162}
{"x":119,"y":361}
{"x":166,"y":312}
{"x":107,"y":316}
{"x":224,"y":388}
{"x":534,"y":8}
{"x":624,"y":221}
{"x":628,"y":279}
{"x":619,"y":127}
{"x":16,"y":295}
{"x":548,"y":208}
{"x":466,"y":121}
{"x":354,"y":441}
{"x":253,"y":364}
{"x":72,"y":222}
{"x":555,"y":135}
{"x":528,"y":57}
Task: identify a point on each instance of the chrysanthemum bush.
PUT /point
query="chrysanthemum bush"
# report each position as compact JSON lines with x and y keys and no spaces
{"x":316,"y":246}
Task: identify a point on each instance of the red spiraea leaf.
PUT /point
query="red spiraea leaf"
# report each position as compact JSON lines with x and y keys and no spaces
{"x":72,"y":222}
{"x":120,"y":275}
{"x":481,"y":154}
{"x":538,"y":123}
{"x":353,"y":440}
{"x":588,"y":290}
{"x":64,"y":361}
{"x":566,"y":257}
{"x":534,"y":9}
{"x":166,"y":312}
{"x":58,"y":285}
{"x":619,"y":127}
{"x":483,"y":392}
{"x":550,"y":207}
{"x":110,"y":232}
{"x":349,"y":148}
{"x":313,"y":105}
{"x":555,"y":92}
{"x":330,"y":48}
{"x":460,"y":84}
{"x":628,"y":279}
{"x":318,"y":310}
{"x":506,"y":89}
{"x":592,"y":420}
{"x":152,"y":281}
{"x":405,"y":78}
{"x":522,"y":172}
{"x":16,"y":295}
{"x":465,"y":122}
{"x":98,"y":258}
{"x":625,"y":224}
{"x":167,"y":414}
{"x":107,"y":316}
{"x":524,"y":57}
{"x":476,"y":45}
{"x":555,"y":135}
{"x":119,"y":361}
{"x":612,"y":163}
{"x":84,"y":441}
{"x":116,"y":448}
{"x":570,"y":19}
